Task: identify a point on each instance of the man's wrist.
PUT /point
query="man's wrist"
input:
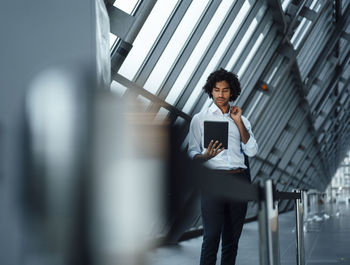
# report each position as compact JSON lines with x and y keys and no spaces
{"x":237,"y":120}
{"x":205,"y":157}
{"x":202,"y":157}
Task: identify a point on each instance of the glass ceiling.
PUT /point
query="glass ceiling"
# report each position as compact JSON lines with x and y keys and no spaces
{"x":181,"y":42}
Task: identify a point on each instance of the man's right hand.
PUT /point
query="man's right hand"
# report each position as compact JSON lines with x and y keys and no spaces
{"x":212,"y":151}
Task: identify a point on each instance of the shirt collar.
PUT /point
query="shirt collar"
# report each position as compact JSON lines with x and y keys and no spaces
{"x":213,"y":108}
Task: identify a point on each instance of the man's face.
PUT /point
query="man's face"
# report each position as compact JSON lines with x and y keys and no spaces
{"x":221,"y":93}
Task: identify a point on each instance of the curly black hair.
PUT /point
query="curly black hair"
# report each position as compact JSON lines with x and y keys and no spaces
{"x":223,"y":75}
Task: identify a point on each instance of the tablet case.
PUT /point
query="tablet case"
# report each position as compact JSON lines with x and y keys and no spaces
{"x":216,"y":130}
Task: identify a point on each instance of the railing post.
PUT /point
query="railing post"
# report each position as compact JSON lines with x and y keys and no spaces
{"x":298,"y":207}
{"x":268,"y":227}
{"x":304,"y":200}
{"x":313,"y":204}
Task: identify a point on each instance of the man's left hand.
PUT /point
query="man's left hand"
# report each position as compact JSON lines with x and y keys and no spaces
{"x":235,"y":113}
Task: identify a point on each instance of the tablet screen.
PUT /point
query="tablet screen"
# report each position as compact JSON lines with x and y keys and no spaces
{"x":216,"y":130}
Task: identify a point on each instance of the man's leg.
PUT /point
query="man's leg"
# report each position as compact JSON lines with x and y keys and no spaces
{"x":231,"y":232}
{"x":235,"y":213}
{"x":212,"y":219}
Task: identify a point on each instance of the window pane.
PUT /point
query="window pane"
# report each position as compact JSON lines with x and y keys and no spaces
{"x":218,"y":54}
{"x":112,"y":39}
{"x":147,"y":37}
{"x":127,"y":6}
{"x":253,"y":50}
{"x":246,"y":38}
{"x":175,"y":45}
{"x":199,"y":50}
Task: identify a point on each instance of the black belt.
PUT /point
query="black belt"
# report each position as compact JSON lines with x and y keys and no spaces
{"x":232,"y":171}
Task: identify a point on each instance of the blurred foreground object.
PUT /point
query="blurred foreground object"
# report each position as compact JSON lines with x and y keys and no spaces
{"x":98,"y":166}
{"x":72,"y":55}
{"x":129,"y":158}
{"x":57,"y":146}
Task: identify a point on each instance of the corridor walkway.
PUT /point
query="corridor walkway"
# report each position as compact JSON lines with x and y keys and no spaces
{"x":327,"y":242}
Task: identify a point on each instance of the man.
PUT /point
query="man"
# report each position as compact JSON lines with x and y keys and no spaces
{"x":222,"y":217}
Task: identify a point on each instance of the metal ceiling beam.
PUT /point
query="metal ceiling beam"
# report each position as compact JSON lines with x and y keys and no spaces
{"x":336,"y":101}
{"x":309,"y":115}
{"x":307,"y":151}
{"x":337,"y":131}
{"x":120,"y":22}
{"x":308,"y":13}
{"x":345,"y":36}
{"x":258,"y":158}
{"x":341,"y":131}
{"x":296,"y":168}
{"x":295,"y":13}
{"x":288,"y":68}
{"x":138,"y":90}
{"x":339,"y":70}
{"x":298,"y":78}
{"x":278,"y":14}
{"x":336,"y":35}
{"x":123,"y":47}
{"x":343,"y":127}
{"x":258,"y":66}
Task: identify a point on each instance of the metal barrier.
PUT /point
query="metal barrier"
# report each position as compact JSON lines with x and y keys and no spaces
{"x":268,"y":225}
{"x":267,"y":197}
{"x":299,"y":223}
{"x":314,"y":208}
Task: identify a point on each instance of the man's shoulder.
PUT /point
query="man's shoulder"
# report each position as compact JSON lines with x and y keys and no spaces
{"x":244,"y":117}
{"x":200,"y":114}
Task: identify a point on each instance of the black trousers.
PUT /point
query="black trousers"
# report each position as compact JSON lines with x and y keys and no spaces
{"x":222,"y":218}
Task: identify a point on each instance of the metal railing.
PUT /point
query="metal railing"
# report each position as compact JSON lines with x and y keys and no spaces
{"x":267,"y":197}
{"x":314,"y":208}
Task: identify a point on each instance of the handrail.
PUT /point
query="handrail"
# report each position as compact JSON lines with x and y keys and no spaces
{"x":141,"y":91}
{"x":287,"y":195}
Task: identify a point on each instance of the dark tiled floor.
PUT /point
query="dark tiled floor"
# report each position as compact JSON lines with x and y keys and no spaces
{"x":327,"y":242}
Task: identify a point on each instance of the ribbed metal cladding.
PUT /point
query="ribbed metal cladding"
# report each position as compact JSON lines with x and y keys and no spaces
{"x":283,"y":121}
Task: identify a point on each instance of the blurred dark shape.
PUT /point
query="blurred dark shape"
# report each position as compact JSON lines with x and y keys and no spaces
{"x":183,"y":196}
{"x":56,"y":185}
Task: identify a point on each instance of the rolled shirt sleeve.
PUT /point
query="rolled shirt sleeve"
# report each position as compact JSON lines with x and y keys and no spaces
{"x":194,"y":138}
{"x":251,"y":147}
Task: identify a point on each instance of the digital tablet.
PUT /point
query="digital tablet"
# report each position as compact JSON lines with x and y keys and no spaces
{"x":216,"y":130}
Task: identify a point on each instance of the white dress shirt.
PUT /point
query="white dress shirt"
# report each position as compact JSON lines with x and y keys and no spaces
{"x":230,"y":158}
